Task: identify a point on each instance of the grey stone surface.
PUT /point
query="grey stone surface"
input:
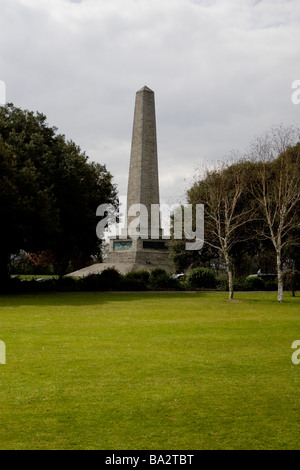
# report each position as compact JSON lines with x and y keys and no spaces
{"x":132,"y":254}
{"x":143,"y":184}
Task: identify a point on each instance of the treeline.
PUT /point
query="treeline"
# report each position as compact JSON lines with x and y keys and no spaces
{"x":156,"y":280}
{"x":252,"y":211}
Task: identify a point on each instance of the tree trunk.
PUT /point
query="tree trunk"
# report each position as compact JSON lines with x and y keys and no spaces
{"x":230,"y":284}
{"x":229,"y":273}
{"x":279,"y":278}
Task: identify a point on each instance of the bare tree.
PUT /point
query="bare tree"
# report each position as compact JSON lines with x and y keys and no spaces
{"x":276,"y":188}
{"x":222,"y":192}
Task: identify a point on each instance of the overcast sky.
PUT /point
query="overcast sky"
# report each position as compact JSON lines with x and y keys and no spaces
{"x":222,"y":72}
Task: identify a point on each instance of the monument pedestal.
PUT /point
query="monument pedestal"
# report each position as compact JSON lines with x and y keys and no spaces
{"x":139,"y":254}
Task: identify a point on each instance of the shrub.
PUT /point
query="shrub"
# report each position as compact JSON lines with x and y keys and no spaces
{"x":248,"y":284}
{"x":291,"y":280}
{"x":222,"y":282}
{"x":32,"y":285}
{"x":67,"y":284}
{"x":137,"y":280}
{"x":31,"y":264}
{"x":254,"y":283}
{"x":90,"y":282}
{"x":109,"y":279}
{"x":160,"y":279}
{"x":239,"y":284}
{"x":11,"y":285}
{"x":271,"y":285}
{"x":201,"y":277}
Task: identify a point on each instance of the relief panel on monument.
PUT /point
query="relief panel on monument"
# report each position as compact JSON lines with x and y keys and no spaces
{"x":122,"y":245}
{"x":154,"y":245}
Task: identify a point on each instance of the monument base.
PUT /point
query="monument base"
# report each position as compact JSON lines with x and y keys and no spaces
{"x":128,"y":255}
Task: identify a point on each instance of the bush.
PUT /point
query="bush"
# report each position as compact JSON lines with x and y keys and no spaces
{"x":135,"y":281}
{"x":239,"y":284}
{"x":222,"y":282}
{"x":248,"y":284}
{"x":201,"y":277}
{"x":291,"y":280}
{"x":10,"y":286}
{"x":271,"y":285}
{"x":160,"y":279}
{"x":32,"y":285}
{"x":67,"y":284}
{"x":109,"y":279}
{"x":89,"y":283}
{"x":258,"y":283}
{"x":31,"y":264}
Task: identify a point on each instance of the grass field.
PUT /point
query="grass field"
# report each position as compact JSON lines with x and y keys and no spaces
{"x":166,"y":371}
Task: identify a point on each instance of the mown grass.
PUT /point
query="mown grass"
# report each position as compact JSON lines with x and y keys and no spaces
{"x":149,"y":371}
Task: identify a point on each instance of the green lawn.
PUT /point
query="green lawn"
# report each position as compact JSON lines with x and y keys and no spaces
{"x":164,"y":371}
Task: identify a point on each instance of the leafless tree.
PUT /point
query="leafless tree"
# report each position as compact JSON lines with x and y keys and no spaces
{"x":222,"y":190}
{"x":276,"y":188}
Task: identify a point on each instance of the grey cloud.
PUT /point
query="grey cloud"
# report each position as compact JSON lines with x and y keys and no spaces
{"x":221,"y":72}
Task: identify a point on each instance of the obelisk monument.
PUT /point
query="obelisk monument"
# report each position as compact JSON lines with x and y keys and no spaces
{"x":148,"y":249}
{"x":145,"y":251}
{"x":143,"y":185}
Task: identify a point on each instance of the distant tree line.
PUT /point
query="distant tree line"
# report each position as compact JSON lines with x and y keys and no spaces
{"x":49,"y":192}
{"x":252,"y":211}
{"x":157,"y":279}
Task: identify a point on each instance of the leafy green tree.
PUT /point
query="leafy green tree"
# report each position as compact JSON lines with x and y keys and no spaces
{"x":49,"y":192}
{"x":25,"y":206}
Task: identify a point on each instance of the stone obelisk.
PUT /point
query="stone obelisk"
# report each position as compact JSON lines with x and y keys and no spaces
{"x":143,"y":185}
{"x":144,"y":251}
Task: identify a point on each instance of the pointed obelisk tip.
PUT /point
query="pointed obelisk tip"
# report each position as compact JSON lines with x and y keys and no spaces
{"x":145,"y":88}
